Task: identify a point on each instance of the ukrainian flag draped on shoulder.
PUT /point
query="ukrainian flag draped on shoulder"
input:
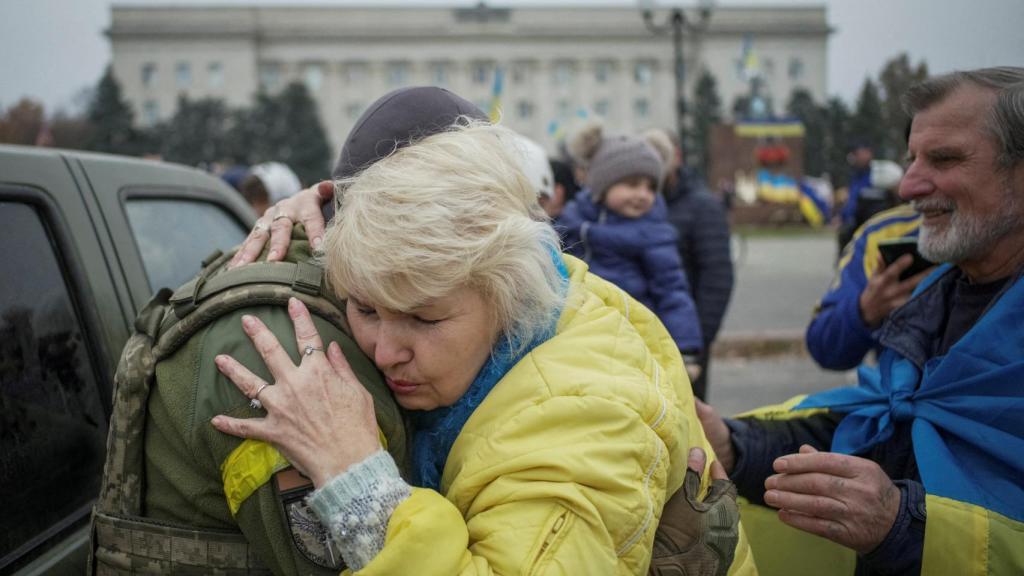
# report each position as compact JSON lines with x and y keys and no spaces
{"x":966,"y":411}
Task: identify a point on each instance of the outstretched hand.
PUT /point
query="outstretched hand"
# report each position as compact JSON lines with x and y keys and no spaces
{"x":847,"y":499}
{"x":276,"y":225}
{"x":318,"y":415}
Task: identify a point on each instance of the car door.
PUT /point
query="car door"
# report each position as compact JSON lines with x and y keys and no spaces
{"x":62,"y":325}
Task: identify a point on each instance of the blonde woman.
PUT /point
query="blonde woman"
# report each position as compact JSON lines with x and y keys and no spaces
{"x":552,"y":414}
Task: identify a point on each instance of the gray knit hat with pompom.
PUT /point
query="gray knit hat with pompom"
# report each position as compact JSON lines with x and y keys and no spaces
{"x":610,"y":160}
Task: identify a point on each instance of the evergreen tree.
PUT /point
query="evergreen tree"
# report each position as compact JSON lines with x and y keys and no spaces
{"x":707,"y":112}
{"x":197,"y":132}
{"x":837,"y":140}
{"x":72,"y":132}
{"x":740,"y":107}
{"x":868,"y":123}
{"x":801,"y":105}
{"x":287,"y":129}
{"x":240,"y":138}
{"x":111,"y":118}
{"x":897,"y":76}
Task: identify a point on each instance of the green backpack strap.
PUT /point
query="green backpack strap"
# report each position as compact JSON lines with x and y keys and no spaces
{"x":202,"y":301}
{"x":302,"y":277}
{"x":121,"y":489}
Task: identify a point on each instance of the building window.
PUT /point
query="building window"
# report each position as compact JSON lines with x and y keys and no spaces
{"x":562,"y":73}
{"x":353,"y":110}
{"x":796,"y":68}
{"x":313,"y":76}
{"x":270,"y":76}
{"x":150,"y":112}
{"x":439,"y":74}
{"x":356,"y":73}
{"x":641,"y":108}
{"x":524,"y":109}
{"x":183,"y":75}
{"x":520,"y":72}
{"x":480,"y":73}
{"x":602,"y":71}
{"x":602,"y":108}
{"x":768,"y":65}
{"x":398,"y":74}
{"x":149,"y":75}
{"x":643,"y":72}
{"x":215,"y":75}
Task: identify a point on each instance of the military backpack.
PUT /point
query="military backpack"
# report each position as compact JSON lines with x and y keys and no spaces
{"x":124,"y":539}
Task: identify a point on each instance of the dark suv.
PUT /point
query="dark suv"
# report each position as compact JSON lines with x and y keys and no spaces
{"x":85,"y":240}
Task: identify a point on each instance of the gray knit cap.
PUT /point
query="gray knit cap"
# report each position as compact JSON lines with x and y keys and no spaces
{"x":618,"y":158}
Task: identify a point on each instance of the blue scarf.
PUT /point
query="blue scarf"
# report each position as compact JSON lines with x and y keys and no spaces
{"x":435,"y":430}
{"x":967,"y":415}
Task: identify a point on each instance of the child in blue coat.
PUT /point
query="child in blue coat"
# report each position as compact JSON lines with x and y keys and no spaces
{"x":619,"y":226}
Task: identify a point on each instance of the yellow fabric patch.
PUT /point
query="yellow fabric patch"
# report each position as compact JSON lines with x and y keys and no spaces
{"x":247,"y":468}
{"x":251,"y":465}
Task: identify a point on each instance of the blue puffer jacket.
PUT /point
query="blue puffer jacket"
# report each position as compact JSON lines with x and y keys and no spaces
{"x":638,"y":255}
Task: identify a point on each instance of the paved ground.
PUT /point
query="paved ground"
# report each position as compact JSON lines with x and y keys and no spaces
{"x":779,"y":279}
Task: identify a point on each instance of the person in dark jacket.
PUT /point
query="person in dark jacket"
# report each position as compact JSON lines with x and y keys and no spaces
{"x":703,"y":244}
{"x":618,"y":226}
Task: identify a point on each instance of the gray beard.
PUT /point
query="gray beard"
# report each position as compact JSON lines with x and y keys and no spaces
{"x":966,"y":236}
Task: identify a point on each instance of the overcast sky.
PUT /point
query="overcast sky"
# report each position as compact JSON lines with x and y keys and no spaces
{"x":51,"y":49}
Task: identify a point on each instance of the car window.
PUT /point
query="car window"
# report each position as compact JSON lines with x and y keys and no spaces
{"x":174,"y":236}
{"x":52,"y":423}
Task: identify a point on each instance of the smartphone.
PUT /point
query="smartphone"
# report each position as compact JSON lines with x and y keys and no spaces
{"x":893,"y":248}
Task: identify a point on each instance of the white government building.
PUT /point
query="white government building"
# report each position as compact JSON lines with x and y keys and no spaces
{"x":558,"y":63}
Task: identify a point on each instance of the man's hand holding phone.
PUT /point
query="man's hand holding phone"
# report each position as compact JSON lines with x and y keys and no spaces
{"x":892,"y":283}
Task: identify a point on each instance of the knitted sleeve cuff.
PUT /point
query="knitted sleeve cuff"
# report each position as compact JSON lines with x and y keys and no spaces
{"x":356,"y":505}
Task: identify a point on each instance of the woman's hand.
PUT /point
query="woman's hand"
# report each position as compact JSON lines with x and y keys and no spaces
{"x":318,"y":414}
{"x":276,"y":225}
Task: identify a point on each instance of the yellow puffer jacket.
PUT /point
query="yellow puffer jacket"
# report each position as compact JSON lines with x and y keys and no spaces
{"x":565,"y":467}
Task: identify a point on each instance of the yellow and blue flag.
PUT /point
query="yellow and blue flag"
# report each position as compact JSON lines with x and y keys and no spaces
{"x":496,"y":90}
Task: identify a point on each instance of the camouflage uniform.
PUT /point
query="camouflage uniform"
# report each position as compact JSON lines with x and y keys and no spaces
{"x":200,"y":487}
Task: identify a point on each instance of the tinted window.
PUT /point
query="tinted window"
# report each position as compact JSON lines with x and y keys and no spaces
{"x":52,"y":425}
{"x":175,"y":235}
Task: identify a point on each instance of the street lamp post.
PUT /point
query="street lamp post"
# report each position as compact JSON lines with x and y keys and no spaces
{"x":678,"y":23}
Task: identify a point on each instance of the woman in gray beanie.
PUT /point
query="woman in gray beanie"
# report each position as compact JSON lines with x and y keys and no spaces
{"x":619,"y":226}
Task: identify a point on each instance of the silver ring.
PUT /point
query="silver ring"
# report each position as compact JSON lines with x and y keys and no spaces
{"x":254,"y":402}
{"x":279,"y":216}
{"x":260,"y":226}
{"x":309,"y":349}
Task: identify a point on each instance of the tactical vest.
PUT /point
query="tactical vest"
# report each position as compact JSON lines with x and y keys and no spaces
{"x":124,"y":540}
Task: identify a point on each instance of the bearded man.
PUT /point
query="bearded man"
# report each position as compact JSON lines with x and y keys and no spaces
{"x":918,"y":469}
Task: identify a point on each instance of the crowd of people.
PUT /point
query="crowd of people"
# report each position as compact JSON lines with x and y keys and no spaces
{"x":488,"y":361}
